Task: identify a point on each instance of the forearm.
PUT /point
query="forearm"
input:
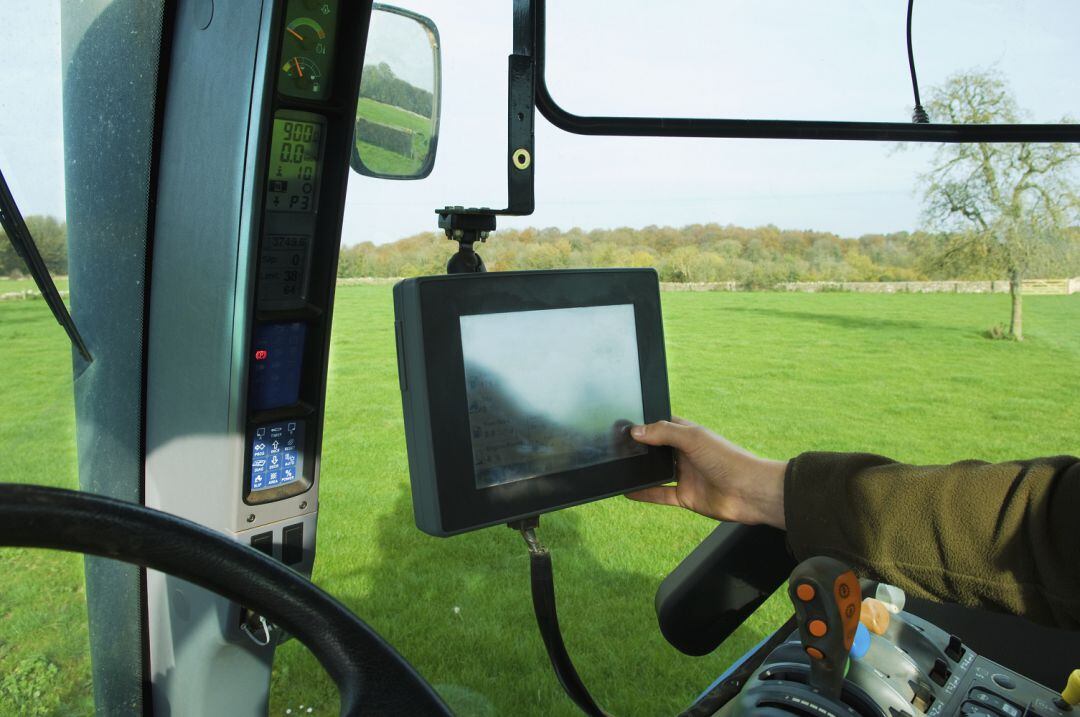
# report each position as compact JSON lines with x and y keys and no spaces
{"x":993,"y":535}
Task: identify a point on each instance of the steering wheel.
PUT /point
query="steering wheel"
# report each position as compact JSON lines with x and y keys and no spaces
{"x":371,"y":677}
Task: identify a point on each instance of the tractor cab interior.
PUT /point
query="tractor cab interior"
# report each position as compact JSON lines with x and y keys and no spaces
{"x":208,"y":147}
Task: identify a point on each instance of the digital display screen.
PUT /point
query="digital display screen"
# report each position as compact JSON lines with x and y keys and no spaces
{"x":278,"y":360}
{"x":295,"y":159}
{"x":550,"y":390}
{"x":283,"y":270}
{"x":277,"y":456}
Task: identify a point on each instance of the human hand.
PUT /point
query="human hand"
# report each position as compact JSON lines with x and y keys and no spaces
{"x":713,"y":476}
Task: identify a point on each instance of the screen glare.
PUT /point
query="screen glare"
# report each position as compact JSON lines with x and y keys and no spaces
{"x":550,"y":390}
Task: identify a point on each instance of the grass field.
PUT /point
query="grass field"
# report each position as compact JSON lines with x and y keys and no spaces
{"x":909,"y":376}
{"x":27,"y":283}
{"x":383,"y":160}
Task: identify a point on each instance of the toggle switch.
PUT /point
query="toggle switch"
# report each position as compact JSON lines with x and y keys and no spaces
{"x":940,"y":672}
{"x":292,"y":544}
{"x":955,"y":649}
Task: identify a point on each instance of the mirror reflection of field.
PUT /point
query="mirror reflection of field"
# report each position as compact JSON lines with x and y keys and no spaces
{"x":385,"y":161}
{"x":909,"y":376}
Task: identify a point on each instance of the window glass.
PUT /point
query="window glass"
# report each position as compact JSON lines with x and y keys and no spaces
{"x":44,"y":644}
{"x":782,"y":59}
{"x":856,"y":359}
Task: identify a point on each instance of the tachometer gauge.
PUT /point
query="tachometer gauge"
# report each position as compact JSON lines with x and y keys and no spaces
{"x":304,"y":75}
{"x":308,"y":34}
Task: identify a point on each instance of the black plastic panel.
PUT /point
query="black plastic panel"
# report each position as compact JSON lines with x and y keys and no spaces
{"x":441,"y":460}
{"x":717,"y":586}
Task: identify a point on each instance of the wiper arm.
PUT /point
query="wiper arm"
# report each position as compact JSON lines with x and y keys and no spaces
{"x":11,"y":220}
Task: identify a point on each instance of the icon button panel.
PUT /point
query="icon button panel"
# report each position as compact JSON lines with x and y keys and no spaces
{"x":277,"y":456}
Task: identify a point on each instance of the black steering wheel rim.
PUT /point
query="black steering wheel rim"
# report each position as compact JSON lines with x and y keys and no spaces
{"x":371,"y":677}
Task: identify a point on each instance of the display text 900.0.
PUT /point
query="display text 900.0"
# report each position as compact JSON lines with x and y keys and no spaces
{"x":294,"y":166}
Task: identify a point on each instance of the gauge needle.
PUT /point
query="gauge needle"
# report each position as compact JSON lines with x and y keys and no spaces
{"x":298,"y":70}
{"x":295,"y":34}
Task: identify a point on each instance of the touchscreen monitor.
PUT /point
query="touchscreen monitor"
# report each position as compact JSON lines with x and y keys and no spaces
{"x":550,"y":390}
{"x":519,"y":390}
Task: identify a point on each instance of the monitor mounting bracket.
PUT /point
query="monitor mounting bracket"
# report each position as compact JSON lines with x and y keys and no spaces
{"x":467,"y":226}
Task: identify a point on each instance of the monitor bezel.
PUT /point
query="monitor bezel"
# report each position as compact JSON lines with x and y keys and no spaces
{"x":462,"y":506}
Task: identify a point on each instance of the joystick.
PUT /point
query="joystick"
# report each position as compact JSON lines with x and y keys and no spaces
{"x":827,"y":601}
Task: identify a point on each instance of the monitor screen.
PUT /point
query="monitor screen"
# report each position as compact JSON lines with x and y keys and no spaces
{"x":550,"y":390}
{"x":295,"y":159}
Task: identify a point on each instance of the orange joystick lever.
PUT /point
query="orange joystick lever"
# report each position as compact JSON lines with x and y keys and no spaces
{"x":827,"y":601}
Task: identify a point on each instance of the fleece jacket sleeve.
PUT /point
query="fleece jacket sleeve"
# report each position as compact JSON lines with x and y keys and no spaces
{"x":1001,"y":536}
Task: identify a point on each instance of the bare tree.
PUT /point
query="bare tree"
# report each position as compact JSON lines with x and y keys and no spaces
{"x":1004,"y":205}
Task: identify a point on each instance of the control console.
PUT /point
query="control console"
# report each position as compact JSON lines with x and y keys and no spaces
{"x":888,"y":663}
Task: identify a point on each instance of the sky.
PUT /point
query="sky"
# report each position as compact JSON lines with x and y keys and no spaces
{"x":843,"y":59}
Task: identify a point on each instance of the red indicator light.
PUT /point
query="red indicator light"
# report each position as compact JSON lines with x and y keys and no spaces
{"x":260,"y":355}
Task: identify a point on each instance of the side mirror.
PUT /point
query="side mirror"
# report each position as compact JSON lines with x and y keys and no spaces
{"x":397,"y":115}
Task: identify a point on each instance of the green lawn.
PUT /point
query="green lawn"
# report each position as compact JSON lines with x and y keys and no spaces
{"x":906,"y":375}
{"x":383,"y":161}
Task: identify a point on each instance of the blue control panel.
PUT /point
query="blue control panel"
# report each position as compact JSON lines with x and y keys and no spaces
{"x":278,"y":356}
{"x":277,"y":455}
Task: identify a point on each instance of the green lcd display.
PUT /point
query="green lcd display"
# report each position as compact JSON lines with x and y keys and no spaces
{"x":295,"y":159}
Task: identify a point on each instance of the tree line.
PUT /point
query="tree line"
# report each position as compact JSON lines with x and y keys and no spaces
{"x":382,"y":85}
{"x":757,"y":258}
{"x":50,"y":236}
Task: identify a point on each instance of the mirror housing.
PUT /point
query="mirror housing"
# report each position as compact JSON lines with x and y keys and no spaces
{"x":397,"y":113}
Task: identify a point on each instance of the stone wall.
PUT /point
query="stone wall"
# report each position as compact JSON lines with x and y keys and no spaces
{"x":393,"y":139}
{"x":1055,"y":287}
{"x":1031,"y":286}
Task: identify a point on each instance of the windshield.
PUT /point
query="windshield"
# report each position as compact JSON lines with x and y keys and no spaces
{"x":44,"y":644}
{"x":810,"y":303}
{"x":778,"y":59}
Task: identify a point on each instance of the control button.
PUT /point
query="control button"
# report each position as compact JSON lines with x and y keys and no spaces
{"x":276,"y":455}
{"x":955,"y":649}
{"x":995,"y":701}
{"x":940,"y":672}
{"x":815,"y":653}
{"x":971,"y":709}
{"x":292,"y":544}
{"x":861,"y":644}
{"x":1004,"y":682}
{"x":1071,"y":693}
{"x":893,"y":597}
{"x":1062,"y":705}
{"x":817,"y":628}
{"x":264,"y":543}
{"x":875,"y":615}
{"x":806,"y":592}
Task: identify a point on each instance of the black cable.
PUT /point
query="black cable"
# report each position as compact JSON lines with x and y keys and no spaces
{"x":919,"y":115}
{"x":547,"y":619}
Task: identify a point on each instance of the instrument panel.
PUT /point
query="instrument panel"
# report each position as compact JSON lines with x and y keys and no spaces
{"x":294,"y":277}
{"x":307,"y":49}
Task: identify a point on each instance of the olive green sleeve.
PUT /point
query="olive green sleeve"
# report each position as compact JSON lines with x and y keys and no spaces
{"x":1002,"y":536}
